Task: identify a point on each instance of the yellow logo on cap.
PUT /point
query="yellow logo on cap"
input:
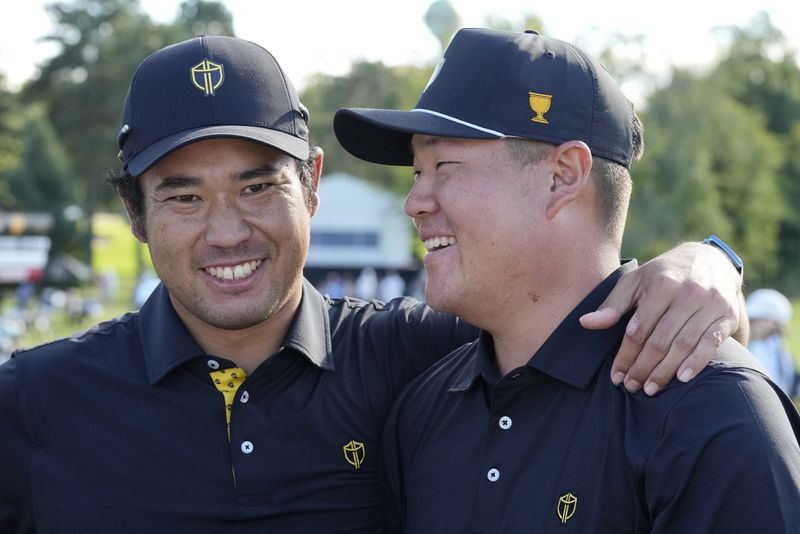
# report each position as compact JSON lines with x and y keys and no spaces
{"x":207,"y":76}
{"x":540,"y":104}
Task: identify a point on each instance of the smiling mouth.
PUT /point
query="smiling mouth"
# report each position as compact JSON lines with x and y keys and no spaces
{"x":439,"y":242}
{"x":235,"y":272}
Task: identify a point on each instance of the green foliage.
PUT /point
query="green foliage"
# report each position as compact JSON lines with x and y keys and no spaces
{"x":366,"y":85}
{"x":760,"y":70}
{"x":710,"y":165}
{"x":11,"y":126}
{"x":42,"y":181}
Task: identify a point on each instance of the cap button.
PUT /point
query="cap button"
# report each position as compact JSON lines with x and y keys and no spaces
{"x":534,"y":32}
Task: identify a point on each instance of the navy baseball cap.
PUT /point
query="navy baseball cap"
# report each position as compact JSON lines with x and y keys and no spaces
{"x":209,"y":86}
{"x":493,"y":84}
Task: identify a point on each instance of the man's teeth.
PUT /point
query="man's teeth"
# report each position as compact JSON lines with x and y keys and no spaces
{"x":237,"y":272}
{"x":439,"y":242}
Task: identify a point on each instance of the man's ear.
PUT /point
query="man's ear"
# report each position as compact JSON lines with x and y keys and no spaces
{"x":317,"y":172}
{"x":572,"y":164}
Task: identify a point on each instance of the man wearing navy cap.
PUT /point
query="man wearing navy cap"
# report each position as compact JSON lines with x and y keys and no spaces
{"x":521,"y":147}
{"x":238,"y":399}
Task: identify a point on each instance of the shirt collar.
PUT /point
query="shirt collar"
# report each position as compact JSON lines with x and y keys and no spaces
{"x":572,"y":354}
{"x":167,"y":343}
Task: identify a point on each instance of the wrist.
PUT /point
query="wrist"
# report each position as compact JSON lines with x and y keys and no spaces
{"x":734,"y":258}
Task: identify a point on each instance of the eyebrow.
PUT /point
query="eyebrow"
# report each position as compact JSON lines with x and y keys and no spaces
{"x":431,"y":140}
{"x":180,"y":181}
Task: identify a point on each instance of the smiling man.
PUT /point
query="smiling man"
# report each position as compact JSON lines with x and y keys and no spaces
{"x":239,"y":399}
{"x":522,"y":207}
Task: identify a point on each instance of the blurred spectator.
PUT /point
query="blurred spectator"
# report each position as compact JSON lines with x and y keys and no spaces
{"x":148,"y":281}
{"x":24,"y":293}
{"x":391,"y":285}
{"x":108,"y":285}
{"x":334,"y":285}
{"x":367,"y":284}
{"x":769,"y":313}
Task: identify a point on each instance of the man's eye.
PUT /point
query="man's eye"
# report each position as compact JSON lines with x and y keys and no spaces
{"x":184,"y":198}
{"x":256,"y":188}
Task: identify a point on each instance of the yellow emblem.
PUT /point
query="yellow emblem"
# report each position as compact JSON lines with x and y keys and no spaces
{"x":540,"y":104}
{"x":354,"y":453}
{"x":567,"y":504}
{"x":208,"y":76}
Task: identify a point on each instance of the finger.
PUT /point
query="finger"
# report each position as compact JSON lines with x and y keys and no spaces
{"x":628,"y":351}
{"x":674,"y":337}
{"x":706,"y":349}
{"x":634,"y":354}
{"x":696,"y":341}
{"x":624,"y":295}
{"x":683,"y":345}
{"x":602,"y":318}
{"x":692,"y":349}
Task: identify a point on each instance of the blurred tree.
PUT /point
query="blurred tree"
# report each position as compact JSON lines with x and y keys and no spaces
{"x":42,"y":181}
{"x":528,"y":22}
{"x":102,"y":42}
{"x":442,"y":20}
{"x":760,"y":70}
{"x":11,"y":126}
{"x":200,"y":17}
{"x":366,"y":85}
{"x":710,"y":165}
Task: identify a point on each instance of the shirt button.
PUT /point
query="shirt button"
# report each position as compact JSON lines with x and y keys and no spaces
{"x":247,"y":447}
{"x":213,"y":364}
{"x":505,"y":422}
{"x":245,"y":397}
{"x":493,"y":475}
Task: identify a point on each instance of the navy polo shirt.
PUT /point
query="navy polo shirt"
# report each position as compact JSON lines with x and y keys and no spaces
{"x":122,"y":430}
{"x":555,"y":447}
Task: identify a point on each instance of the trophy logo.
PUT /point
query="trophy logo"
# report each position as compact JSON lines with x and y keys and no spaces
{"x":354,"y":453}
{"x":565,"y":509}
{"x":540,"y":104}
{"x":207,"y":76}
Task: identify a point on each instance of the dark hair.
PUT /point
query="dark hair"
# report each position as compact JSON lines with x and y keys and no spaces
{"x":613,"y":180}
{"x":130,"y":190}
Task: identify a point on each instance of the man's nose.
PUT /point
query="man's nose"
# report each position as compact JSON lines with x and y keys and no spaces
{"x":226,"y":226}
{"x":421,"y":199}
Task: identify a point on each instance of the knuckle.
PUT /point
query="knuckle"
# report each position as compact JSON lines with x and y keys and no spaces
{"x":685,"y":343}
{"x":658,"y":344}
{"x":714,"y":337}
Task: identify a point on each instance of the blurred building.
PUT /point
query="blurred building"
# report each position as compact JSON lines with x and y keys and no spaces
{"x":358,"y":225}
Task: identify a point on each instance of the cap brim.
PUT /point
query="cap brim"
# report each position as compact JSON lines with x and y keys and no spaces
{"x":287,"y":143}
{"x":384,"y":135}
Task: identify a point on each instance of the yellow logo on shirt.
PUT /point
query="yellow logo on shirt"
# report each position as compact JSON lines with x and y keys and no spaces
{"x":567,"y":504}
{"x":354,"y":453}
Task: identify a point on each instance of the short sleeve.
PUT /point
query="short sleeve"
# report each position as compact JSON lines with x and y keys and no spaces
{"x":727,"y":459}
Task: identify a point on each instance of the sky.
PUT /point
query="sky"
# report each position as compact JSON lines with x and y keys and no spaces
{"x":310,"y":36}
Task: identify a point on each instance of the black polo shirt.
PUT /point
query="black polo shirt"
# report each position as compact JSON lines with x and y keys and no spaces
{"x":555,"y":447}
{"x":122,"y":430}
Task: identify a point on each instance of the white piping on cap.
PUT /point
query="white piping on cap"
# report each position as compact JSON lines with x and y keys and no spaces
{"x":459,"y":121}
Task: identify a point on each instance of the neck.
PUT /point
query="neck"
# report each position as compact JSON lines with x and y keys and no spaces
{"x":521,"y":331}
{"x":251,"y":346}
